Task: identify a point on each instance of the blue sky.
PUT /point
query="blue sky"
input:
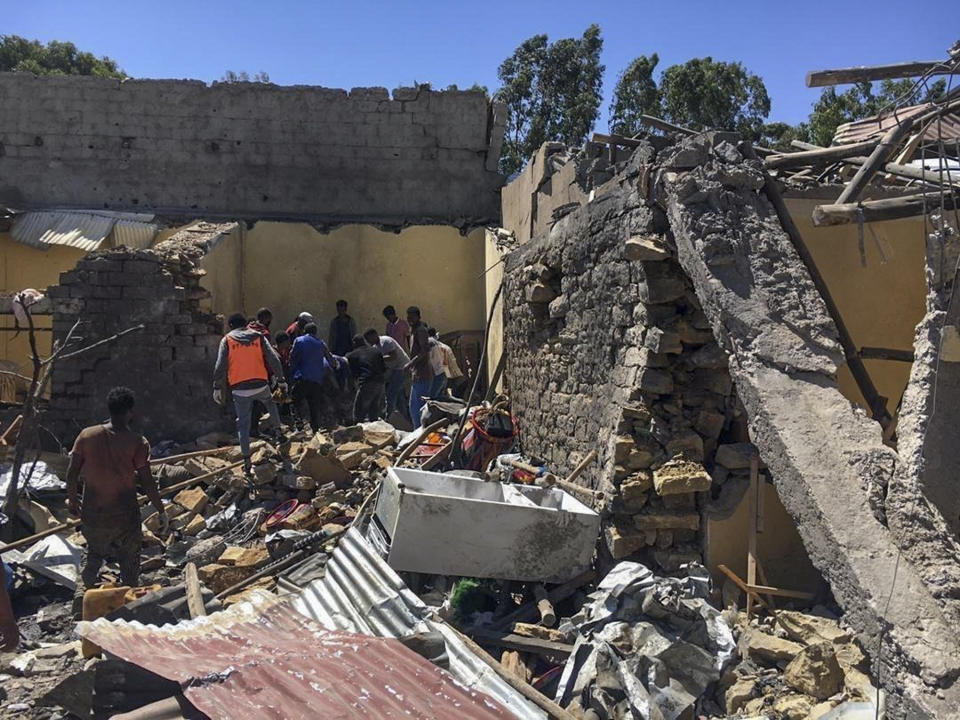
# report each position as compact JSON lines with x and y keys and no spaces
{"x":357,"y":43}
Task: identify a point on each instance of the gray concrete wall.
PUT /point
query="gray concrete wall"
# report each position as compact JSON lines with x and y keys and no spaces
{"x":250,"y":150}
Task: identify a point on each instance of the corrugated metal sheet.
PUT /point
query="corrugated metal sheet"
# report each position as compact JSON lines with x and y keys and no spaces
{"x":874,"y":127}
{"x":132,"y":234}
{"x":85,"y":230}
{"x":361,"y":593}
{"x":260,"y":660}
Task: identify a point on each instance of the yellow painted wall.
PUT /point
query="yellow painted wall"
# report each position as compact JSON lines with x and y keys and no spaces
{"x":224,"y":278}
{"x":881,"y":302}
{"x":493,"y":266}
{"x":23,"y":266}
{"x":291,"y":267}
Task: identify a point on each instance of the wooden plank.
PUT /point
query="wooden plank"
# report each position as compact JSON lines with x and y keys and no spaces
{"x":521,"y":643}
{"x":815,"y":157}
{"x":547,"y":614}
{"x":581,"y":466}
{"x":512,"y":660}
{"x":869,"y":73}
{"x":904,"y":206}
{"x":907,"y":172}
{"x":616,"y":140}
{"x":743,"y":586}
{"x":202,"y":453}
{"x":536,"y":631}
{"x":752,"y":536}
{"x":194,"y":596}
{"x":780,"y":592}
{"x":661,"y":124}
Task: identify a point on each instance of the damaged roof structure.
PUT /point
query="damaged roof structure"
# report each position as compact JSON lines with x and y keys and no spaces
{"x":682,"y":352}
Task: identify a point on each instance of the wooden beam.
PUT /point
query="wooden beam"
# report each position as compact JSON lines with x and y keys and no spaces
{"x":192,"y":588}
{"x":661,"y":124}
{"x":756,"y":596}
{"x":844,"y":76}
{"x":510,"y":641}
{"x":879,"y":210}
{"x":548,"y":615}
{"x":767,"y":590}
{"x":616,"y":140}
{"x":528,"y":611}
{"x":879,"y":353}
{"x":876,"y":402}
{"x":752,"y":529}
{"x":908,"y":172}
{"x":814,"y":157}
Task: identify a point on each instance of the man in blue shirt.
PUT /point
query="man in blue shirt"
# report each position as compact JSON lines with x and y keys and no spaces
{"x":309,"y":371}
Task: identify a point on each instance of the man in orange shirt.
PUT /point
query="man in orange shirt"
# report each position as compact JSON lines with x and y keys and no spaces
{"x":113,"y":459}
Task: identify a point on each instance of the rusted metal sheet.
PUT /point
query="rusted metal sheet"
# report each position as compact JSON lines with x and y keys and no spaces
{"x":261,"y":659}
{"x":85,"y":230}
{"x":874,"y":127}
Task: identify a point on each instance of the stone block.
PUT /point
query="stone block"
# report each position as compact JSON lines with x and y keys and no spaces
{"x":219,"y":577}
{"x":646,"y":248}
{"x":709,"y":424}
{"x":192,"y":499}
{"x":251,"y":557}
{"x":656,"y":290}
{"x":651,"y":380}
{"x":623,"y":445}
{"x":663,"y":342}
{"x":767,"y":649}
{"x":196,"y":524}
{"x":735,"y":456}
{"x":681,"y":476}
{"x":815,"y":671}
{"x":230,"y":555}
{"x":640,"y":458}
{"x":623,"y":540}
{"x":672,"y":558}
{"x":659,"y":520}
{"x":688,"y":445}
{"x":539,"y":293}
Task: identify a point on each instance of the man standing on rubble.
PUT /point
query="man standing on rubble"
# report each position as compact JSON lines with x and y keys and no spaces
{"x":248,"y":365}
{"x":420,"y":365}
{"x":343,"y":328}
{"x":369,"y":371}
{"x":113,"y":459}
{"x":309,"y":371}
{"x":397,"y":328}
{"x":395,"y":359}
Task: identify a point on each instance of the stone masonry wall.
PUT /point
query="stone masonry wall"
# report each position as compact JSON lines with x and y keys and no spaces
{"x":608,"y":349}
{"x":250,"y":150}
{"x":168,"y":364}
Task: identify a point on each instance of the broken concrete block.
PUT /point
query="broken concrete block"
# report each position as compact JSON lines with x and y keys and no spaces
{"x":815,"y":671}
{"x":192,"y":499}
{"x":792,"y":707}
{"x":681,"y":476}
{"x":766,"y":648}
{"x":351,"y":454}
{"x":622,"y":446}
{"x":646,"y":248}
{"x":811,"y":628}
{"x":352,"y":433}
{"x":196,"y":524}
{"x":230,"y":555}
{"x":219,"y":577}
{"x":654,"y":520}
{"x":264,"y":473}
{"x":195,"y":466}
{"x":735,"y":456}
{"x":639,"y":459}
{"x":540,"y":293}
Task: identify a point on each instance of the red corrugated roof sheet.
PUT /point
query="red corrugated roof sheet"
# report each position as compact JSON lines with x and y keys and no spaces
{"x":874,"y":127}
{"x":276,"y":663}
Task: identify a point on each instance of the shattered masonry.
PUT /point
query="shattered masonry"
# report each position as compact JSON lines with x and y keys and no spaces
{"x":686,"y":237}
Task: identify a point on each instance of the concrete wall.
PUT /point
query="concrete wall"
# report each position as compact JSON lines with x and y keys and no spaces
{"x":224,"y":279}
{"x":493,"y":267}
{"x":23,"y":266}
{"x":291,"y":267}
{"x":249,"y":149}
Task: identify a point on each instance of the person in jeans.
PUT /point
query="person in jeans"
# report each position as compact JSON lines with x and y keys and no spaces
{"x":114,"y":460}
{"x":309,"y":372}
{"x":419,"y":365}
{"x":369,"y":371}
{"x":395,"y":359}
{"x":248,"y":365}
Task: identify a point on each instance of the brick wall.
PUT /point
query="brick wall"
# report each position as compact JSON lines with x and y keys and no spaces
{"x":608,"y":349}
{"x":250,"y":149}
{"x":168,"y":364}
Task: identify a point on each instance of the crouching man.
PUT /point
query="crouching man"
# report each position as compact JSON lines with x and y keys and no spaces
{"x":113,"y":460}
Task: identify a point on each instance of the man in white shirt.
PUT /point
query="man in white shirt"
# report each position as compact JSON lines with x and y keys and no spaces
{"x":396,"y":359}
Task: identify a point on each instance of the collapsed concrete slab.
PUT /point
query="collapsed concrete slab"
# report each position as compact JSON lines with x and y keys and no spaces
{"x":827,"y":458}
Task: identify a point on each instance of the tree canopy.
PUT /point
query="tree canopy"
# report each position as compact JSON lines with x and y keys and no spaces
{"x":18,"y":54}
{"x":552,"y":92}
{"x":699,"y":94}
{"x":243,"y":76}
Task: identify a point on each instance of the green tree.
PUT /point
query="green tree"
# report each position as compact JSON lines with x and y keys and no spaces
{"x":636,"y":93}
{"x":243,"y":76}
{"x":18,"y":54}
{"x":864,"y":100}
{"x":699,"y":94}
{"x":552,"y":92}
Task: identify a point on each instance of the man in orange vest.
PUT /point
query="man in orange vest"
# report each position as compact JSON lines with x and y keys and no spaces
{"x":249,"y":366}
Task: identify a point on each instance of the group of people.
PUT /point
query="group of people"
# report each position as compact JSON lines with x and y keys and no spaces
{"x":376,"y":370}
